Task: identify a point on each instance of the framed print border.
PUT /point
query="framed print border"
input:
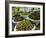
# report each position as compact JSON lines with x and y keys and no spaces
{"x":7,"y":18}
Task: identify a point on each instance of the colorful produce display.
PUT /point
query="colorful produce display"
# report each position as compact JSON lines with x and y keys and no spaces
{"x":20,"y":13}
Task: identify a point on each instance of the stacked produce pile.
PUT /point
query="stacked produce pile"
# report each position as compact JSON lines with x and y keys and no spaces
{"x":24,"y":25}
